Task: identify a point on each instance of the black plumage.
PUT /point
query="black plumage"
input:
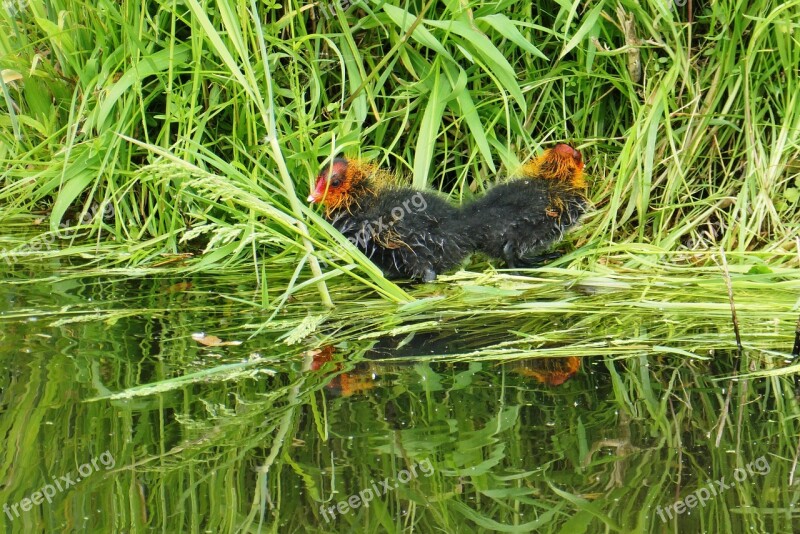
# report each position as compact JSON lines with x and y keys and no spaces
{"x":407,"y":233}
{"x":520,"y":219}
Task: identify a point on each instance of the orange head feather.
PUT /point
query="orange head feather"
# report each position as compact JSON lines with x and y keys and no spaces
{"x":343,"y":183}
{"x":562,"y":162}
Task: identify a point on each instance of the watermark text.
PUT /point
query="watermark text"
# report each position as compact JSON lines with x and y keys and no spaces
{"x":60,"y":484}
{"x":713,"y":489}
{"x":379,"y":489}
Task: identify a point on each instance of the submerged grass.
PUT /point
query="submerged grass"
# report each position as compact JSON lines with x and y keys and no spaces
{"x":198,"y":126}
{"x":250,"y":437}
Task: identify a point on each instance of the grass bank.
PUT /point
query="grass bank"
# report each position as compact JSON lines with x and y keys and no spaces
{"x":139,"y":133}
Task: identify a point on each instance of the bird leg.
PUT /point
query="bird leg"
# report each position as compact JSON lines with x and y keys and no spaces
{"x":428,"y":275}
{"x":510,"y":255}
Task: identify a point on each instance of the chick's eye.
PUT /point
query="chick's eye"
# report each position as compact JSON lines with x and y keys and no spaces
{"x":336,"y":182}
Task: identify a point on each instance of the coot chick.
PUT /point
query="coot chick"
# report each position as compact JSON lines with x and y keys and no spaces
{"x":407,"y":233}
{"x":518,"y":220}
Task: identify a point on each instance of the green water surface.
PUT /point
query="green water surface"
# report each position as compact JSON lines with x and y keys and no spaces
{"x":116,"y":418}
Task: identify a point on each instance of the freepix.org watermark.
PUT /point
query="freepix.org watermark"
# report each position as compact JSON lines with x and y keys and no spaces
{"x":713,"y":489}
{"x":415,"y":204}
{"x":45,"y":242}
{"x":377,"y":489}
{"x":63,"y":483}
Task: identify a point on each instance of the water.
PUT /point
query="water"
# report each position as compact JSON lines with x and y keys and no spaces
{"x":461,"y":412}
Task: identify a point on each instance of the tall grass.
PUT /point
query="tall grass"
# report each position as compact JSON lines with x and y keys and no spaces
{"x":202,"y":123}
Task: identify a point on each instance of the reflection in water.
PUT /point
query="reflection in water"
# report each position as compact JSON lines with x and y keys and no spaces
{"x":548,"y":371}
{"x":623,"y":448}
{"x":364,"y":376}
{"x":619,"y":434}
{"x":360,"y":379}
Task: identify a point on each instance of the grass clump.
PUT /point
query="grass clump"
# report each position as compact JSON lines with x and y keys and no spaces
{"x":201,"y":125}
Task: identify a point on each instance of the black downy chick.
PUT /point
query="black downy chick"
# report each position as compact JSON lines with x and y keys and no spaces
{"x":407,"y":233}
{"x":518,"y":220}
